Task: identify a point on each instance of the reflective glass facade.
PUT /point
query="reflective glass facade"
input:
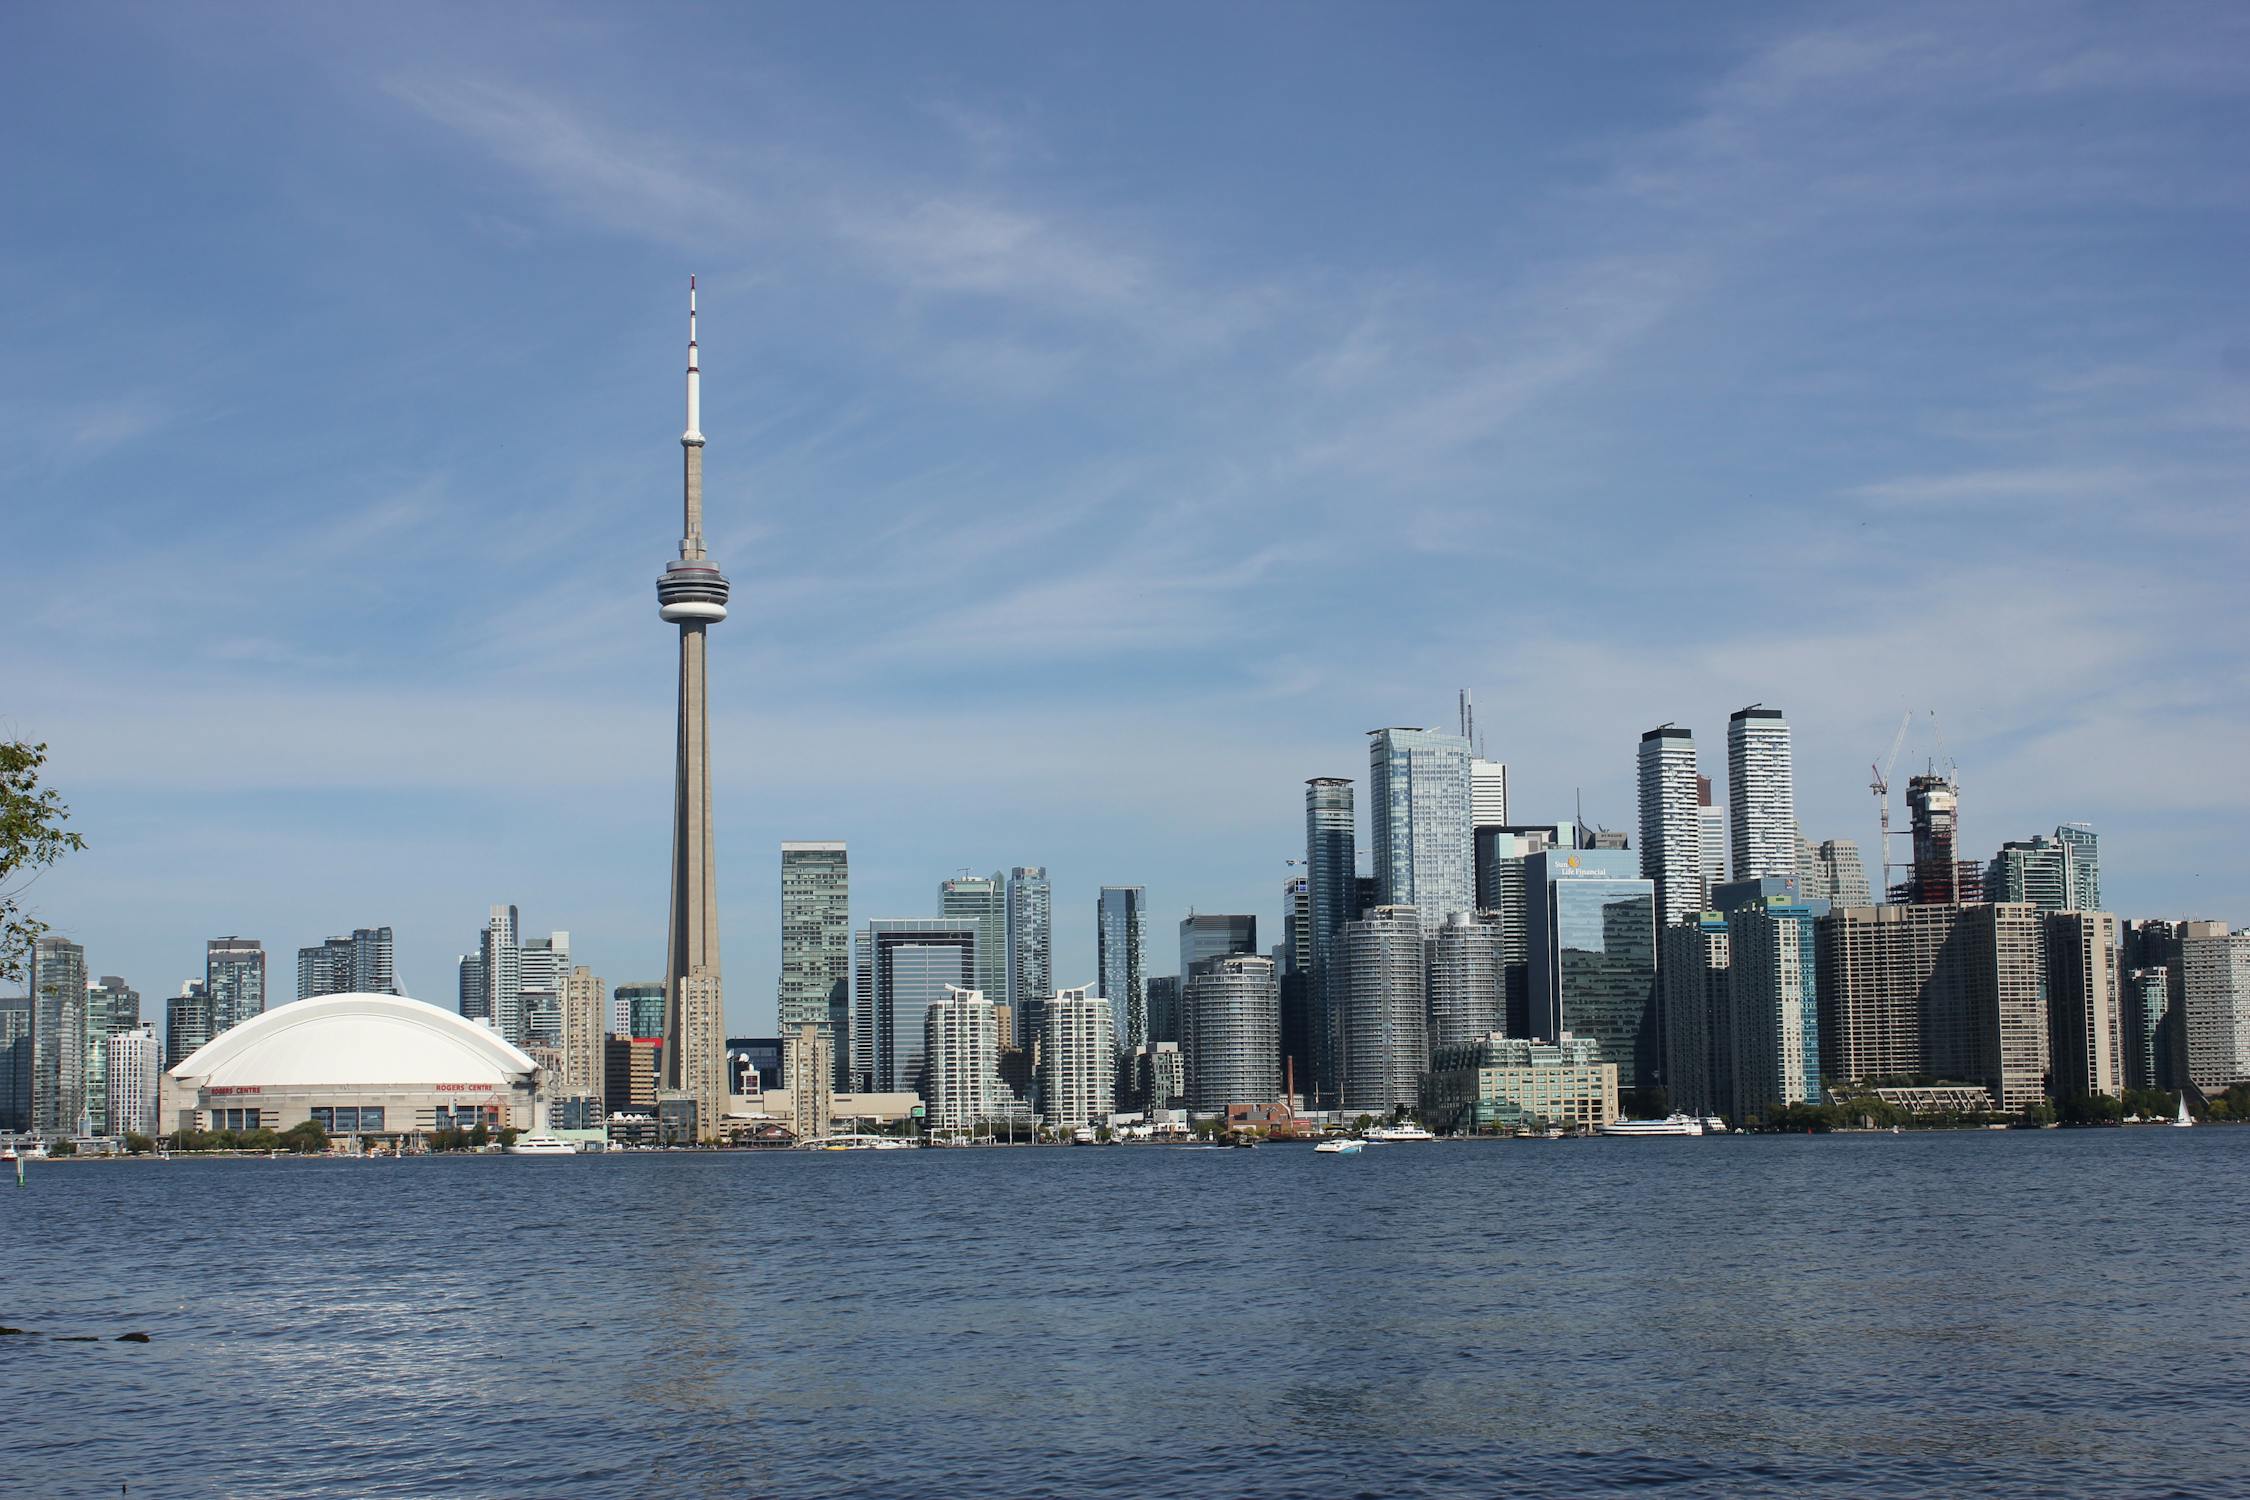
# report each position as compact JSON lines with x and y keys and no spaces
{"x":1597,"y":974}
{"x":1419,"y":809}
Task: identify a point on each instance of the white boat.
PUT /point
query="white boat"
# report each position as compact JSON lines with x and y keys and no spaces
{"x":1714,"y":1125}
{"x":1387,"y":1134}
{"x":1340,"y":1148}
{"x":542,"y":1145}
{"x":1669,"y":1125}
{"x":2181,"y":1121}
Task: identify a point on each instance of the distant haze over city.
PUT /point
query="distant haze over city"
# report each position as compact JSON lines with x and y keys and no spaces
{"x":1102,"y":435}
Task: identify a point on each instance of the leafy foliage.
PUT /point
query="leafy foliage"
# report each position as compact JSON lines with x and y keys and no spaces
{"x":32,"y":837}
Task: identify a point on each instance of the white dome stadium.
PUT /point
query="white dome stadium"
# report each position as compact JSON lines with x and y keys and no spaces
{"x":333,"y":1057}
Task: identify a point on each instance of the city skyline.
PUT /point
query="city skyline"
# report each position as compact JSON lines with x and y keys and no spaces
{"x":378,"y":475}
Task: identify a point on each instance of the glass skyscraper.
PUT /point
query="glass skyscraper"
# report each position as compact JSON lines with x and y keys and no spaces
{"x":1331,"y":900}
{"x":982,"y":899}
{"x":901,"y":967}
{"x":234,"y":972}
{"x":58,"y":1035}
{"x":1031,"y":950}
{"x":1593,"y":972}
{"x":1204,"y":937}
{"x":1121,"y":939}
{"x":816,"y":935}
{"x":1421,"y":823}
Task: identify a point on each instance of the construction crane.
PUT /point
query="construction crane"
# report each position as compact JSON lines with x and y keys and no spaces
{"x":1881,"y":787}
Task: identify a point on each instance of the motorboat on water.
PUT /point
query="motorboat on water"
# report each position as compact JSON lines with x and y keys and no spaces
{"x":2182,"y":1120}
{"x":1390,"y":1134}
{"x":1675,"y":1124}
{"x":542,"y":1145}
{"x":1340,"y":1148}
{"x":1714,"y":1125}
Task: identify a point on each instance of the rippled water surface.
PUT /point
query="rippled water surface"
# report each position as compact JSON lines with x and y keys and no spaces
{"x":2027,"y":1313}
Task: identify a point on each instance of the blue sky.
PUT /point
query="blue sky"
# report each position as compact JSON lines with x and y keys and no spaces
{"x":1113,"y":413}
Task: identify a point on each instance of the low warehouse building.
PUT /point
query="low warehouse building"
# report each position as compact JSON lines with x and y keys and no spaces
{"x":355,"y":1065}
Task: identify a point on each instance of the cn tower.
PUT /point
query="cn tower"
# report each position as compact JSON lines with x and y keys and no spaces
{"x":692,"y":594}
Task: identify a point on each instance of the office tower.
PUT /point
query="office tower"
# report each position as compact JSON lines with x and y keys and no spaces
{"x":1233,"y":1024}
{"x":1591,"y":923}
{"x":1956,"y":992}
{"x":1711,"y":830}
{"x":1761,"y":794}
{"x":1208,"y":936}
{"x":961,"y":1060}
{"x":1331,"y":897}
{"x":1773,"y":982}
{"x":2085,"y":865}
{"x":1462,"y":987}
{"x":1671,"y":827}
{"x":1698,"y":1014}
{"x":1832,"y":872}
{"x":15,"y":1062}
{"x":187,"y":1022}
{"x":1425,"y":847}
{"x":1384,"y":1018}
{"x":2217,"y":1011}
{"x":982,"y":899}
{"x":542,"y":964}
{"x":2143,"y":999}
{"x":58,"y":1036}
{"x":1121,"y":942}
{"x":1163,"y":1009}
{"x":816,"y":944}
{"x":809,"y":1061}
{"x":2085,"y":1039}
{"x":1367,"y":894}
{"x":135,"y":1064}
{"x":582,"y":1032}
{"x":360,"y":964}
{"x":1078,"y":1055}
{"x":1488,"y":793}
{"x":1506,"y":1083}
{"x":112,"y":1006}
{"x":902,"y":967}
{"x":638,"y":1009}
{"x":629,"y":1074}
{"x":1031,"y":945}
{"x":1934,"y":807}
{"x":234,"y":973}
{"x":692,"y":594}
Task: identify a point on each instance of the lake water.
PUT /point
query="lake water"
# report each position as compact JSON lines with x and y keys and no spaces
{"x":2021,"y":1313}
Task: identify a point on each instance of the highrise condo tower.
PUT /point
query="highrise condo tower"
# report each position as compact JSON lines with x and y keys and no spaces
{"x":692,"y":594}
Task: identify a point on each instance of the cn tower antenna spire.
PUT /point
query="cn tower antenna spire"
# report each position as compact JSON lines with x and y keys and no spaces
{"x":694,"y":433}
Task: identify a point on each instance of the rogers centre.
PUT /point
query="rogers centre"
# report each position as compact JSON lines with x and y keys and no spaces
{"x":357,"y":1065}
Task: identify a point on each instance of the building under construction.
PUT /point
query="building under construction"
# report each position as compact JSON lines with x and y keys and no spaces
{"x":1939,"y":875}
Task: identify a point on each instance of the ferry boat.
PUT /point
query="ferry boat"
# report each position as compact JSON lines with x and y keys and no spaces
{"x":1340,"y":1148}
{"x":1387,"y":1134}
{"x":542,"y":1145}
{"x":1670,"y":1125}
